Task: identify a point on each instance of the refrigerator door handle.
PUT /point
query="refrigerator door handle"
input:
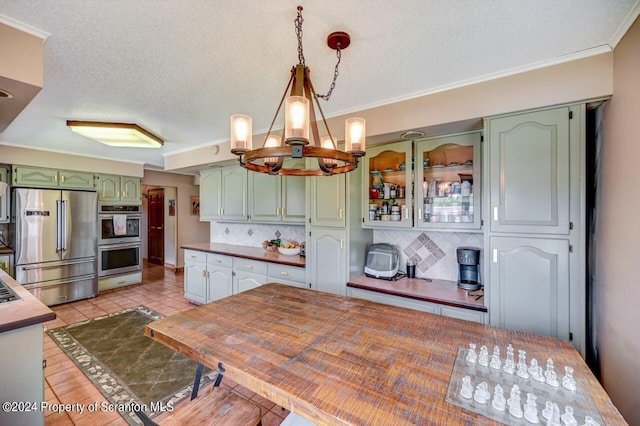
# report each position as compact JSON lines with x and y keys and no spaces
{"x":58,"y":222}
{"x":64,"y":225}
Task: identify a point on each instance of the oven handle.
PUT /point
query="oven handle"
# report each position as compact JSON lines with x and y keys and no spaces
{"x":57,"y":265}
{"x":103,"y":247}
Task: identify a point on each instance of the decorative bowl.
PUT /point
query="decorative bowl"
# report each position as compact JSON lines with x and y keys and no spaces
{"x":289,"y":251}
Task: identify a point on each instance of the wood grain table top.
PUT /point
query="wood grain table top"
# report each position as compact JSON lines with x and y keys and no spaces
{"x":339,"y":360}
{"x":246,"y":252}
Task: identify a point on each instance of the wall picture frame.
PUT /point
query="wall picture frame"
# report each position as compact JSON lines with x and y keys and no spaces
{"x":195,"y":206}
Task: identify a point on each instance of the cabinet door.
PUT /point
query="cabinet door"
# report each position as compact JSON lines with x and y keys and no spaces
{"x":32,"y":176}
{"x":328,"y":201}
{"x":220,"y":283}
{"x":264,"y":197}
{"x":387,"y":201}
{"x":109,"y":188}
{"x":448,"y":183}
{"x":234,"y":193}
{"x":530,"y":285}
{"x":293,"y":195}
{"x":76,"y":180}
{"x":6,"y":262}
{"x":328,"y":258}
{"x":130,"y":190}
{"x":195,"y":282}
{"x":529,"y":172}
{"x":210,"y":192}
{"x":244,"y":281}
{"x":4,"y":196}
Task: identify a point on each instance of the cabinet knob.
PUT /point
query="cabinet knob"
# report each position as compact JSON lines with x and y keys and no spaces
{"x":218,"y":261}
{"x":248,"y":266}
{"x":194,"y":257}
{"x":340,"y":213}
{"x":495,"y":255}
{"x":420,"y":214}
{"x":284,"y":273}
{"x":495,"y":213}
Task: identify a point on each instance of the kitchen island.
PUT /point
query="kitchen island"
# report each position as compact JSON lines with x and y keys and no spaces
{"x":21,"y":357}
{"x":345,"y":361}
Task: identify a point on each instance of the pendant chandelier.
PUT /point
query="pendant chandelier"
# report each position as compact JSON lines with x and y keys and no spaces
{"x":300,"y":134}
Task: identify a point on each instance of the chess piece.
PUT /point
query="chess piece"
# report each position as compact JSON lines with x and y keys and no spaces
{"x":499,"y":402}
{"x":533,"y":366}
{"x":514,"y":402}
{"x":483,"y":358}
{"x":472,"y":356}
{"x":554,"y":420}
{"x":466,"y":390}
{"x":530,"y":409}
{"x":538,"y":375}
{"x":522,"y":359}
{"x":481,"y":395}
{"x":509,"y":364}
{"x":550,"y":374}
{"x":522,"y":371}
{"x":548,"y":409}
{"x":550,"y":368}
{"x":495,"y":363}
{"x":567,"y":418}
{"x":568,"y":382}
{"x":588,"y":421}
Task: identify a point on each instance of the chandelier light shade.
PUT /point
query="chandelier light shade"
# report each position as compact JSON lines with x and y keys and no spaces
{"x":123,"y":135}
{"x":301,"y":136}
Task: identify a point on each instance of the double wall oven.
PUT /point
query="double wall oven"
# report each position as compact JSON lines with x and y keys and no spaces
{"x":120,"y":240}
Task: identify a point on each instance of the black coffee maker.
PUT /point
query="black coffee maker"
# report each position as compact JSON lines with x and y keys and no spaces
{"x":468,"y":268}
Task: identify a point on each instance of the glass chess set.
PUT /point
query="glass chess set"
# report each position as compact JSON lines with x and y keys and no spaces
{"x":519,"y":393}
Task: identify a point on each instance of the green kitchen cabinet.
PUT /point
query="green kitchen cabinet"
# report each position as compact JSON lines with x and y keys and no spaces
{"x":277,"y":199}
{"x":248,"y":274}
{"x":119,"y":189}
{"x":27,"y":176}
{"x":529,"y":172}
{"x":530,"y":285}
{"x":328,"y":201}
{"x":219,"y":276}
{"x":6,"y":263}
{"x":328,"y":259}
{"x":223,"y":194}
{"x":207,"y":276}
{"x":195,"y":281}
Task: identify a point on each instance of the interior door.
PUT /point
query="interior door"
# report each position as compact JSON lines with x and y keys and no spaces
{"x":156,"y":226}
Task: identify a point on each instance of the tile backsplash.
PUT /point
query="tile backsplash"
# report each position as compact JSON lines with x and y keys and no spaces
{"x":252,"y":234}
{"x":433,"y":252}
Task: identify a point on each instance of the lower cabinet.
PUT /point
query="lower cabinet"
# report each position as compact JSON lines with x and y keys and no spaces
{"x":212,"y":276}
{"x":248,"y":274}
{"x":328,"y":259}
{"x":530,"y":285}
{"x":419,"y":305}
{"x":6,"y":263}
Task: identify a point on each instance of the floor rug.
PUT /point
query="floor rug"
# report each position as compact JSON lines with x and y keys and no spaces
{"x":131,"y":370}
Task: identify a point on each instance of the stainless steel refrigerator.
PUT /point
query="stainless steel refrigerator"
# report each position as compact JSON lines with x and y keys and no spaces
{"x":56,"y":243}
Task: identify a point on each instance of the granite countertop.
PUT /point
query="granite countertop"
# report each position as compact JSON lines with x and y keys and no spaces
{"x":246,"y":252}
{"x":437,"y":291}
{"x":6,"y":250}
{"x":29,"y":310}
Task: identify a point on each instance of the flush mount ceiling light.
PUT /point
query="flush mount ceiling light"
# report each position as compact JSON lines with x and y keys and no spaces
{"x":299,"y":123}
{"x":123,"y":135}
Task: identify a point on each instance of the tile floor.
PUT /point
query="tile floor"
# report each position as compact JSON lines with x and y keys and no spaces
{"x":162,"y":291}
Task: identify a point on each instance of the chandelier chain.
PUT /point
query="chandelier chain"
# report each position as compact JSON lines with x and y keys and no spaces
{"x":298,"y":22}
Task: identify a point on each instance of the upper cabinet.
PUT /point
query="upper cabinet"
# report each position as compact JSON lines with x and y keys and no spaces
{"x":275,"y":199}
{"x":223,"y":194}
{"x":529,"y":172}
{"x":448,"y":182}
{"x":388,"y":184}
{"x":327,"y":201}
{"x":4,"y":195}
{"x":119,"y":189}
{"x":51,"y":178}
{"x":431,"y":183}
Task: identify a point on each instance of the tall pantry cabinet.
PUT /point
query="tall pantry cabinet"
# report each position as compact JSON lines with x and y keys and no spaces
{"x":535,"y":210}
{"x":336,"y":242}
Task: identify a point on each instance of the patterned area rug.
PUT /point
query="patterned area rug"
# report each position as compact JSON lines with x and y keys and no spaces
{"x":131,"y":370}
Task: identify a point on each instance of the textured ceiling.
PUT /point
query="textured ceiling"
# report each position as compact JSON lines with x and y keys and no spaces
{"x":180,"y":67}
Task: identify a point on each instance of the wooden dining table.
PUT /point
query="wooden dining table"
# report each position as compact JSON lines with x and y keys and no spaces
{"x":339,"y":360}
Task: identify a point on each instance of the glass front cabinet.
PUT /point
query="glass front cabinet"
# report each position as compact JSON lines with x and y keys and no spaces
{"x":437,"y":188}
{"x":387,"y":186}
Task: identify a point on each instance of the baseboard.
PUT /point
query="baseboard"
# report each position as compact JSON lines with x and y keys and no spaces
{"x":174,"y":268}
